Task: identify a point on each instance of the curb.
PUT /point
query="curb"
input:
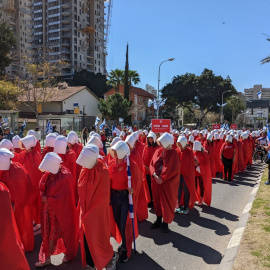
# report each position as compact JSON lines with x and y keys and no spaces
{"x":231,"y":252}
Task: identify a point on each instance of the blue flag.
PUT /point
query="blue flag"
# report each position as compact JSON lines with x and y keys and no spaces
{"x":97,"y":120}
{"x":24,"y":123}
{"x":103,"y":124}
{"x":259,"y":94}
{"x":49,"y":128}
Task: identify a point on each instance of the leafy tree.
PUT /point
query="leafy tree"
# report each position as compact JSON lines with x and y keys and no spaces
{"x":115,"y":78}
{"x":95,"y":82}
{"x":115,"y":106}
{"x":126,"y":78}
{"x":134,"y":77}
{"x":199,"y":92}
{"x":7,"y":42}
{"x":234,"y":106}
{"x":39,"y":87}
{"x":9,"y":94}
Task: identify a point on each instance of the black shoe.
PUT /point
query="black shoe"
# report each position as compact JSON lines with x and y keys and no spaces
{"x":157,"y":223}
{"x":123,"y":257}
{"x":119,"y":249}
{"x":165,"y":227}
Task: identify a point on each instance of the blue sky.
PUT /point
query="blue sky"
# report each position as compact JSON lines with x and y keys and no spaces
{"x":222,"y":35}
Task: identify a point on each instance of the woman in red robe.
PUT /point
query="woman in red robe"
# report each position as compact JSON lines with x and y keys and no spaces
{"x":218,"y":143}
{"x":59,"y":219}
{"x":245,"y":148}
{"x":165,"y":172}
{"x":68,"y":157}
{"x":239,"y":143}
{"x":186,"y":191}
{"x":94,"y":194}
{"x":49,"y":144}
{"x":120,"y":197}
{"x":11,"y":247}
{"x":148,"y":152}
{"x":7,"y":144}
{"x":16,"y":178}
{"x":202,"y":175}
{"x":142,"y":211}
{"x":209,"y":146}
{"x":95,"y":139}
{"x":30,"y":160}
{"x":110,"y":151}
{"x":37,"y":146}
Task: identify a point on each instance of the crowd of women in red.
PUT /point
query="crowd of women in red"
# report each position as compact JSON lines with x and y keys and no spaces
{"x":80,"y":196}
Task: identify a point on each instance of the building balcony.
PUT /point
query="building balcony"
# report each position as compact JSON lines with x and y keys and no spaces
{"x":65,"y":27}
{"x":65,"y":12}
{"x":65,"y":4}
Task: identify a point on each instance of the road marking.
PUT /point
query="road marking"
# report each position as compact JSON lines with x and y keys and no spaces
{"x":254,"y":190}
{"x":247,"y":208}
{"x":236,"y":237}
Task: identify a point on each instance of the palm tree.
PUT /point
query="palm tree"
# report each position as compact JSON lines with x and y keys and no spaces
{"x":266,"y":59}
{"x":115,"y":78}
{"x":134,"y":77}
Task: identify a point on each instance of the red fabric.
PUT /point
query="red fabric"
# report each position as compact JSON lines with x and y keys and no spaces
{"x":18,"y":150}
{"x":77,"y":148}
{"x":235,"y":167}
{"x":46,"y":149}
{"x":37,"y":147}
{"x":210,"y":148}
{"x":241,"y":167}
{"x":250,"y":150}
{"x":218,"y":144}
{"x":139,"y":147}
{"x":110,"y":159}
{"x":187,"y":162}
{"x":143,"y":139}
{"x":16,"y":157}
{"x":245,"y":149}
{"x":58,"y":189}
{"x":11,"y":248}
{"x":94,"y":194}
{"x":103,"y":138}
{"x":204,"y":163}
{"x":69,"y":161}
{"x":165,"y":194}
{"x":227,"y":150}
{"x":136,"y":180}
{"x":19,"y":184}
{"x":31,"y":161}
{"x":104,"y":157}
{"x":119,"y":179}
{"x":142,"y":210}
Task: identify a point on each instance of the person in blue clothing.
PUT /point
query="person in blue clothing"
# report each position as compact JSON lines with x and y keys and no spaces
{"x":8,"y":134}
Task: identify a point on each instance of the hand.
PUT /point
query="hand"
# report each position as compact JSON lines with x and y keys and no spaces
{"x":130,"y":191}
{"x":158,"y":180}
{"x":220,"y":158}
{"x":44,"y":199}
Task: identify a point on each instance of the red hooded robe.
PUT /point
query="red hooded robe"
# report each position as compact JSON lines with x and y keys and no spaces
{"x":204,"y":163}
{"x":211,"y":149}
{"x":165,"y":194}
{"x":241,"y":167}
{"x":186,"y":158}
{"x":11,"y":247}
{"x":46,"y":149}
{"x":218,"y":144}
{"x":19,"y":184}
{"x":94,"y":194}
{"x":31,"y":161}
{"x":58,"y":190}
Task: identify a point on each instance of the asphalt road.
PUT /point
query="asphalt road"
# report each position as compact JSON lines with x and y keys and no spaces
{"x":196,"y":241}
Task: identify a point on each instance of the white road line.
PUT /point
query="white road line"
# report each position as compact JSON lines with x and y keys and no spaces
{"x":254,"y":190}
{"x":247,"y":208}
{"x":236,"y":237}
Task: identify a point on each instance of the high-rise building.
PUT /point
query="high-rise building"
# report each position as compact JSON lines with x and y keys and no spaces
{"x":70,"y":31}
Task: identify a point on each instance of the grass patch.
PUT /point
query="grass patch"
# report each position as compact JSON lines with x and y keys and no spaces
{"x":254,"y":252}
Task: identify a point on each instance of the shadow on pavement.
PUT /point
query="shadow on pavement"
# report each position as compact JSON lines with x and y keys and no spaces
{"x":182,"y":243}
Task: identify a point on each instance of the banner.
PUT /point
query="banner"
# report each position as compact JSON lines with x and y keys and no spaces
{"x":161,"y":125}
{"x":233,"y":126}
{"x":216,"y":126}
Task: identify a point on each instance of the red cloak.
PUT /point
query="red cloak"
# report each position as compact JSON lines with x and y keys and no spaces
{"x":165,"y":194}
{"x":210,"y":148}
{"x":187,"y":162}
{"x":69,"y":161}
{"x":246,"y":151}
{"x":136,"y":180}
{"x":250,"y":150}
{"x":31,"y":161}
{"x":18,"y":150}
{"x":37,"y":147}
{"x":46,"y":149}
{"x":110,"y":159}
{"x":218,"y":144}
{"x":235,"y":167}
{"x":19,"y":184}
{"x":58,"y":189}
{"x":11,"y":248}
{"x":139,"y":147}
{"x":241,"y":167}
{"x":204,"y":163}
{"x":234,"y":163}
{"x":94,"y":194}
{"x":142,"y":210}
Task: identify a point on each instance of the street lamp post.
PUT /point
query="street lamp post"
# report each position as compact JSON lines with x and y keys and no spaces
{"x":170,"y":59}
{"x":221,"y":116}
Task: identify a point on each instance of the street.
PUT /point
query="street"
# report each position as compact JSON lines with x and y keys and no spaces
{"x":196,"y":241}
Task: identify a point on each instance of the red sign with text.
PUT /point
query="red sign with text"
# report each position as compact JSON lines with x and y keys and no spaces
{"x":161,"y":125}
{"x":233,"y":126}
{"x":216,"y":126}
